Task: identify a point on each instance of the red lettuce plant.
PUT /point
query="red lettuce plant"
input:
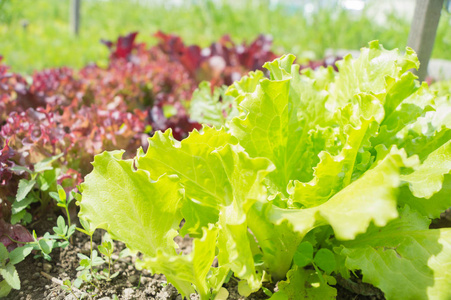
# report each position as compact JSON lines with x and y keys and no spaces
{"x":222,"y":62}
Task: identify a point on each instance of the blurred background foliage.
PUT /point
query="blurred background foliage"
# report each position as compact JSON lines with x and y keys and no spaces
{"x":35,"y":34}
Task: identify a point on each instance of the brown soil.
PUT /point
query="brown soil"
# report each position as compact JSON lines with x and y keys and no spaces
{"x":41,"y":279}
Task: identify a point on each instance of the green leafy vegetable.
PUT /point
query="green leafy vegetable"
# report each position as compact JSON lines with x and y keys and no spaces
{"x":403,"y":258}
{"x":214,"y":109}
{"x":320,"y":174}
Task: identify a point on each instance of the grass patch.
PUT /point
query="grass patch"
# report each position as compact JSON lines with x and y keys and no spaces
{"x":35,"y":34}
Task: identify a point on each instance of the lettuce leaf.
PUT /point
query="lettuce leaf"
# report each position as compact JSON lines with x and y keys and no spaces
{"x":212,"y":108}
{"x":187,"y":271}
{"x":118,"y":198}
{"x":351,"y":210}
{"x":403,"y":258}
{"x":277,"y":132}
{"x":225,"y":182}
{"x":355,"y":161}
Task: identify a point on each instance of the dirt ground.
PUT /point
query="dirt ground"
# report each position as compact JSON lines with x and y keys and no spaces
{"x":42,"y":279}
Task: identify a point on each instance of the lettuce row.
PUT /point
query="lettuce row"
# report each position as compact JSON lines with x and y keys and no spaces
{"x":355,"y":162}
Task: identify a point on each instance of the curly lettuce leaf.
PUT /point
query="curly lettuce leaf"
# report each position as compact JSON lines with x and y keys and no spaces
{"x":270,"y":124}
{"x":427,"y":179}
{"x":369,"y":73}
{"x":186,"y":271}
{"x":333,"y":173}
{"x":212,"y":108}
{"x":329,"y":155}
{"x":276,"y":243}
{"x":403,"y":258}
{"x":429,"y":192}
{"x":214,"y":174}
{"x":443,"y":87}
{"x":210,"y":180}
{"x":371,"y":198}
{"x":192,"y":162}
{"x":246,"y":176}
{"x":143,"y":213}
{"x":246,"y":84}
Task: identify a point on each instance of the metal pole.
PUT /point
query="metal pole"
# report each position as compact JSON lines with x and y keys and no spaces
{"x":75,"y":16}
{"x":423,"y":31}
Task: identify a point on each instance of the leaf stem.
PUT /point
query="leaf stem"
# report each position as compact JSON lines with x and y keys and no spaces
{"x":139,"y":282}
{"x":320,"y":276}
{"x":90,"y":263}
{"x":17,"y":242}
{"x":94,"y":285}
{"x":66,"y":206}
{"x":109,"y":265}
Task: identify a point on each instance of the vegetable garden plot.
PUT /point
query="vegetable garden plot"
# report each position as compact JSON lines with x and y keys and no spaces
{"x":320,"y":174}
{"x":301,"y":179}
{"x":54,"y":122}
{"x":71,"y":116}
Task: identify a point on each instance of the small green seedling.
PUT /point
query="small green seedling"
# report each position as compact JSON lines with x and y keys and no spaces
{"x":89,"y":273}
{"x":87,"y":263}
{"x":63,"y":231}
{"x":107,"y":249}
{"x":70,"y":287}
{"x":48,"y":242}
{"x":63,"y":201}
{"x":324,"y":259}
{"x":85,"y":277}
{"x":8,"y":271}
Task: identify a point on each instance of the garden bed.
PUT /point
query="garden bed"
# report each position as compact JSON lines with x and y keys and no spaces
{"x":298,"y":183}
{"x":42,"y":279}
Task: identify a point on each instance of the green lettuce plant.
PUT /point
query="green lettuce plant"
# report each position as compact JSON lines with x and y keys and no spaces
{"x":321,"y":174}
